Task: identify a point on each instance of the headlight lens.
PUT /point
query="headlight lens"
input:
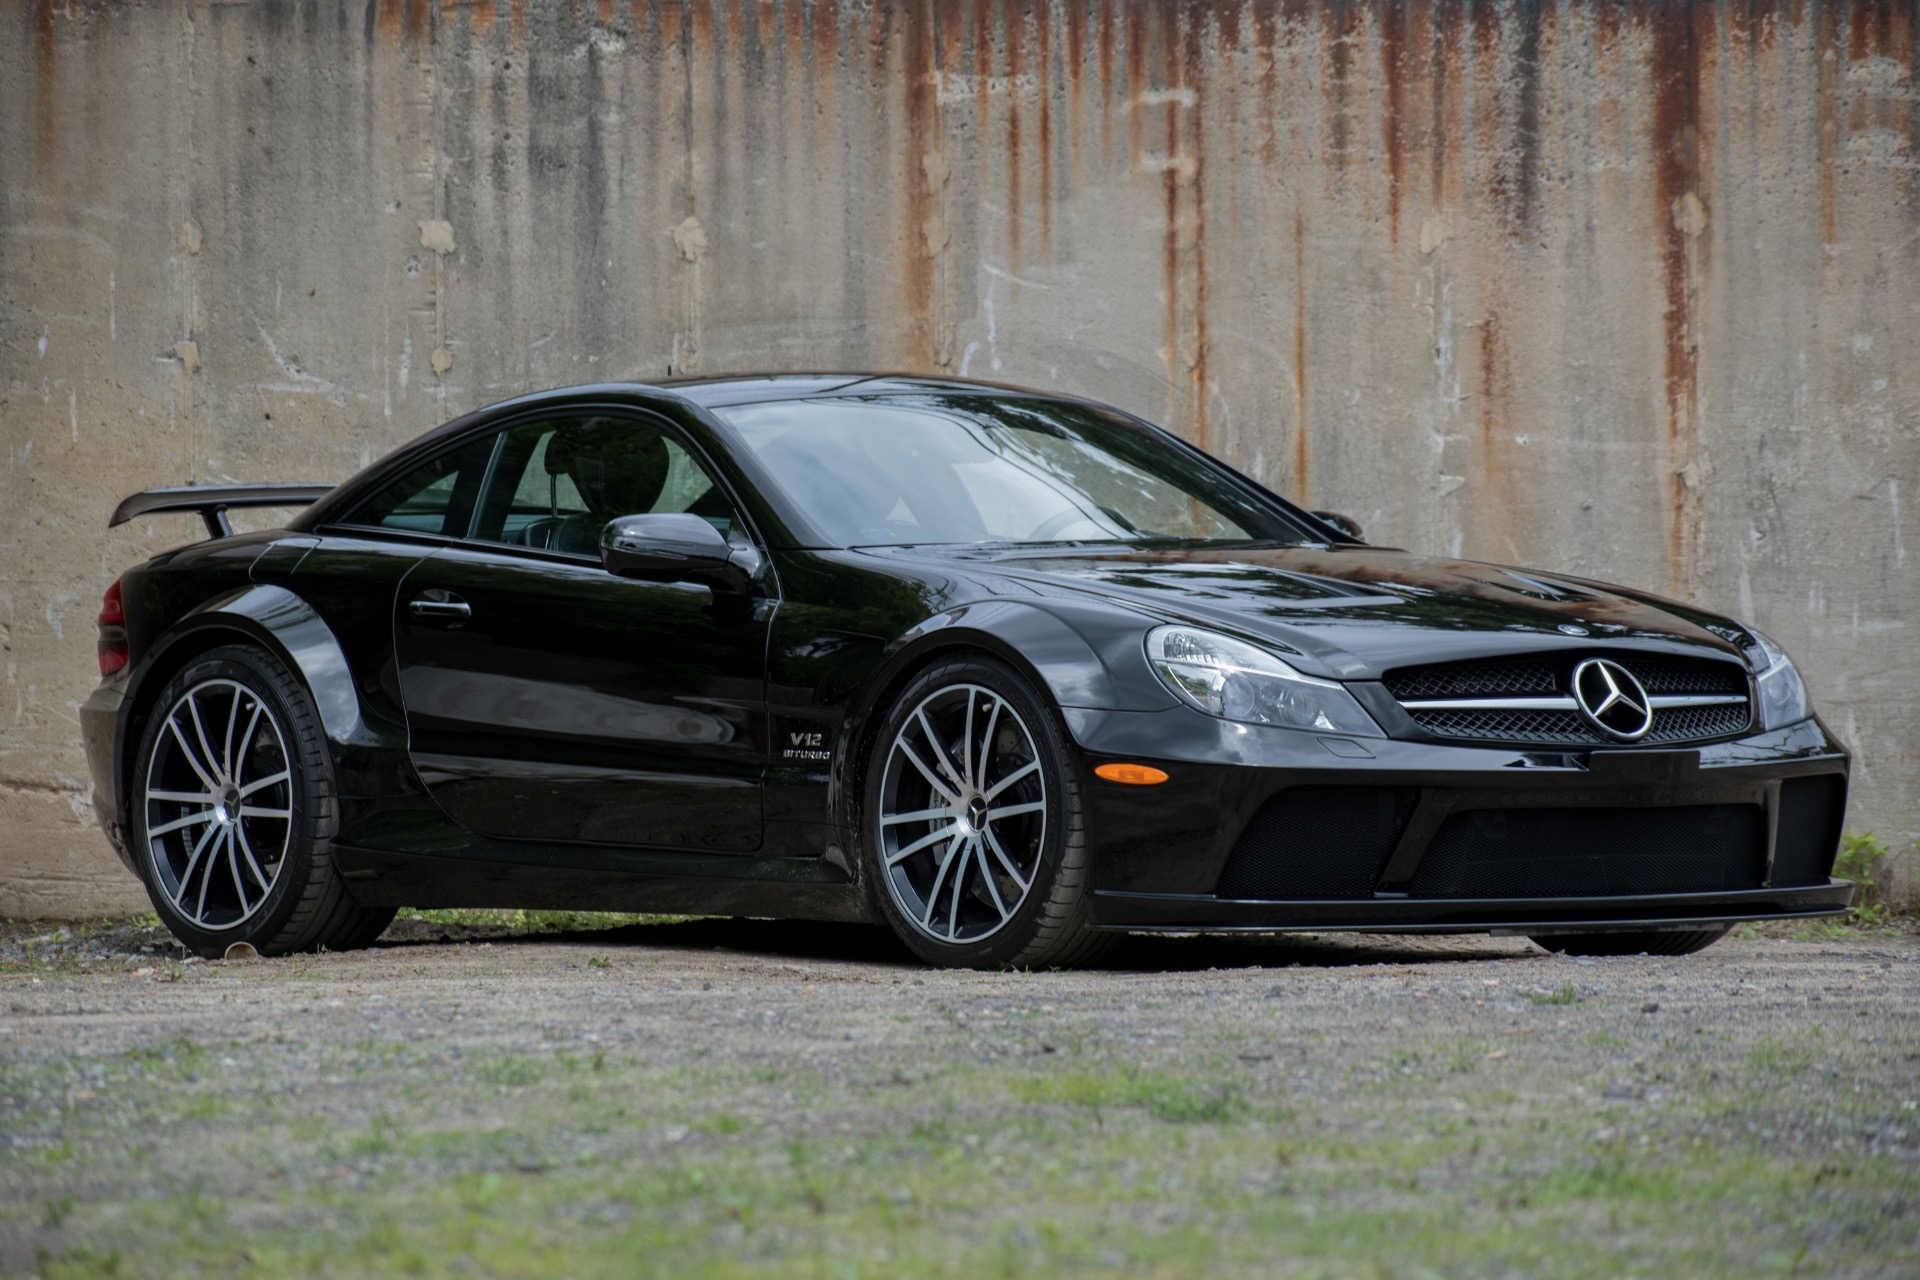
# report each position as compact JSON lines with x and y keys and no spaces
{"x":1237,"y":681}
{"x":1783,"y":698}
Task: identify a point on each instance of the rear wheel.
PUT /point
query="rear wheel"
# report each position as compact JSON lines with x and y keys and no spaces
{"x":233,"y":811}
{"x":1674,"y":942}
{"x":975,"y":847}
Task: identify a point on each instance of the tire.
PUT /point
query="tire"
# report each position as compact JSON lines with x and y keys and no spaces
{"x":974,"y":847}
{"x":233,"y":811}
{"x":1668,"y":943}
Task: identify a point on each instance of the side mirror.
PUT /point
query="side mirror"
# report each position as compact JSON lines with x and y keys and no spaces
{"x":675,"y":547}
{"x":1345,"y":524}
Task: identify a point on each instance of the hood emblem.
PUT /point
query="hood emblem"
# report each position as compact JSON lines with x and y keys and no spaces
{"x":1611,"y":700}
{"x":1568,"y":629}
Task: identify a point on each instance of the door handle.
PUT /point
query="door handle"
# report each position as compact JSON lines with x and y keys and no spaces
{"x":441,"y":606}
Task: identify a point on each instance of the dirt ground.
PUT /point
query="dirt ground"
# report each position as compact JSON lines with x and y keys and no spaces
{"x":748,"y":1098}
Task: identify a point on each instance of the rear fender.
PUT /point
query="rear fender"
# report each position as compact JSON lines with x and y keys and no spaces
{"x":278,"y":621}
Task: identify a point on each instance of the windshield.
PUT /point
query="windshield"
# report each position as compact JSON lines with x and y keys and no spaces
{"x":957,"y":468}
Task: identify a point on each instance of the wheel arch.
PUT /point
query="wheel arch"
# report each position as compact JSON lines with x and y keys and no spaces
{"x":1062,"y":664}
{"x":269,"y":617}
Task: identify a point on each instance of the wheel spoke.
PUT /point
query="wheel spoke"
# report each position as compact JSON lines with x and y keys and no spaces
{"x":199,"y":730}
{"x":1015,"y":810}
{"x":986,"y":744}
{"x":1030,"y":766}
{"x":226,"y":744}
{"x":193,"y":860}
{"x":247,"y":736}
{"x":173,"y":724}
{"x":940,"y":878}
{"x":205,"y":815}
{"x":253,"y":863}
{"x":959,"y":885}
{"x":966,"y":741}
{"x":279,"y":815}
{"x":233,"y":865}
{"x":918,"y":815}
{"x":940,"y":755}
{"x":259,"y":783}
{"x":921,"y":843}
{"x":986,"y":874}
{"x":993,"y":842}
{"x":933,"y":779}
{"x":183,"y":797}
{"x":206,"y":878}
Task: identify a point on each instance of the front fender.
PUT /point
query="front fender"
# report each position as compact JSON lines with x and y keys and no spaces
{"x":1079,"y":655}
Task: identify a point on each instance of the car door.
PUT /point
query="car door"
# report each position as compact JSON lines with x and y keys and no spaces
{"x":547,"y":699}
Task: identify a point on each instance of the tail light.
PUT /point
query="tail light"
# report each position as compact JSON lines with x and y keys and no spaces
{"x":113,"y":631}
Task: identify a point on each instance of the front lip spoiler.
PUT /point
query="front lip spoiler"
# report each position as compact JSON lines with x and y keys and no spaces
{"x":1201,"y":913}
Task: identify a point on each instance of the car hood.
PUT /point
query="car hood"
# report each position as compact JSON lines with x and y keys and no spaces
{"x":1355,"y":612}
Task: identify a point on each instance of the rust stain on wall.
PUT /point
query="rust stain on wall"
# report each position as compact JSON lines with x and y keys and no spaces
{"x":1826,"y":27}
{"x":45,"y":117}
{"x":1494,"y":503}
{"x":1043,"y":60}
{"x":1681,"y":41}
{"x":922,"y":175}
{"x":1014,"y":38}
{"x":1266,"y":41}
{"x":1393,"y":116}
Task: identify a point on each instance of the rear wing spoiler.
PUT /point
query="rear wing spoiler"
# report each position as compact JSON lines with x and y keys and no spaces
{"x":212,"y":501}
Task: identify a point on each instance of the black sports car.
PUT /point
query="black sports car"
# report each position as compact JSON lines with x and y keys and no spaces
{"x":1013,"y":672}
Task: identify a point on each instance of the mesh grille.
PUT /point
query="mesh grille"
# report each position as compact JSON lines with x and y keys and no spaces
{"x":1570,"y":853}
{"x":1317,"y":842}
{"x":1546,"y":677}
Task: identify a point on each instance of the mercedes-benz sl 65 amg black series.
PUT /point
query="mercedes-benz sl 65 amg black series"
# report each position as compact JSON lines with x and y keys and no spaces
{"x":1012,"y":672}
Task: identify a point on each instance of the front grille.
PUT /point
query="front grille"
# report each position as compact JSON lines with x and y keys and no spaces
{"x":1317,"y":842}
{"x":1580,"y":853}
{"x":1537,"y":678}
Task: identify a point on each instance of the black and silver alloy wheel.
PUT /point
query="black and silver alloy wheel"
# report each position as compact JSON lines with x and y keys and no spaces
{"x":963,"y":813}
{"x":973,"y":830}
{"x":218,"y":802}
{"x":232,"y":812}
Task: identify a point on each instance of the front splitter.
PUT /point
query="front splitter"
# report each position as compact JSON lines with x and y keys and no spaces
{"x":1196,"y":913}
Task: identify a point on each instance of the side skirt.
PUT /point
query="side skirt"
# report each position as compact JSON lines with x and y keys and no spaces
{"x":780,"y":888}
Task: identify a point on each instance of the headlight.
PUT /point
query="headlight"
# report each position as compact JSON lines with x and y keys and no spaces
{"x":1237,"y":681}
{"x":1783,"y":698}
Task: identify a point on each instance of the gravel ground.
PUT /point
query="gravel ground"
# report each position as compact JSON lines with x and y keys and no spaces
{"x":739,"y":1097}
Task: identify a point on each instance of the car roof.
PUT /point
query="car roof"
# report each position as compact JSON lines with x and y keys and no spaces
{"x":747,"y":388}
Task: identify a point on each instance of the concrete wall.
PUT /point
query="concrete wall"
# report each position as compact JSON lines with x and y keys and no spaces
{"x":1632,"y":291}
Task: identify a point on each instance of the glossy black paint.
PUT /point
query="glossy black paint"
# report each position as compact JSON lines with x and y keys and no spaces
{"x":520,"y":727}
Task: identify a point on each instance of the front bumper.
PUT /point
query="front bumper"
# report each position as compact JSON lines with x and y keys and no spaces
{"x":1269,"y":829}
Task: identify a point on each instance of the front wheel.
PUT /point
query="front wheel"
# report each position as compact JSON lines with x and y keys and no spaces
{"x":974,"y":844}
{"x":1673,"y":942}
{"x":233,"y":810}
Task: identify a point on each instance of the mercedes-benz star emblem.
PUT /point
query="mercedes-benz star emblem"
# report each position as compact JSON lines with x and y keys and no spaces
{"x":1612,"y":700}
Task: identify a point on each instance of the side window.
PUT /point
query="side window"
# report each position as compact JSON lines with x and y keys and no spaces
{"x":556,"y":483}
{"x":436,"y":498}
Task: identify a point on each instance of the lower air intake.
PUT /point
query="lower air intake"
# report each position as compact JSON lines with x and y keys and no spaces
{"x":1317,"y":842}
{"x":1809,"y":829}
{"x":1578,"y":853}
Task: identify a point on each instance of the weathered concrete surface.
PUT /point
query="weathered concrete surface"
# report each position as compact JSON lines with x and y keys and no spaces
{"x":1628,"y":291}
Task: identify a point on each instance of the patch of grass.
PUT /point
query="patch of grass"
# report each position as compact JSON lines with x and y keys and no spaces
{"x":1565,"y":993}
{"x":1175,"y":1099}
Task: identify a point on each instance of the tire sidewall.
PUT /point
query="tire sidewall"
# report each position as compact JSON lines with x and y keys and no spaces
{"x":264,"y":678}
{"x":1006,"y":943}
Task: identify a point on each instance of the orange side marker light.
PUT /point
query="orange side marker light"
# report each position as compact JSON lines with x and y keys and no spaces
{"x":1139,"y":775}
